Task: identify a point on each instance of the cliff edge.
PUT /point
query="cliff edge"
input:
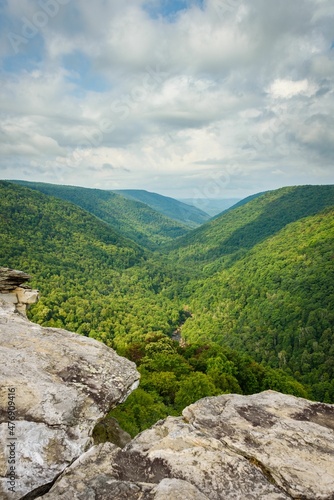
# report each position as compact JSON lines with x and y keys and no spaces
{"x":55,"y":386}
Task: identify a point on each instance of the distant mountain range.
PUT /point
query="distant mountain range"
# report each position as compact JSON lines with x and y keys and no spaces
{"x":180,"y":211}
{"x":131,"y":218}
{"x":210,"y":205}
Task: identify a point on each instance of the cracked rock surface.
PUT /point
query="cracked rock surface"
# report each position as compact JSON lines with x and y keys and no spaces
{"x":266,"y":446}
{"x":63,"y":383}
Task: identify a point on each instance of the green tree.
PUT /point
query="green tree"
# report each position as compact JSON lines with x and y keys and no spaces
{"x":194,"y":387}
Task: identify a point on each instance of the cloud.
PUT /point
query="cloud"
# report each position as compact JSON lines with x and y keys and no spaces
{"x":286,"y":89}
{"x":167,"y":96}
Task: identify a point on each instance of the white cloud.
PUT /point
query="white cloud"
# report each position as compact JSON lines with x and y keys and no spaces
{"x":241,"y":89}
{"x":286,"y":89}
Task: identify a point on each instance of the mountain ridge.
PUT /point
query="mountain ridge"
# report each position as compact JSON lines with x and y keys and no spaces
{"x":235,"y":231}
{"x":182,"y":212}
{"x":131,"y":218}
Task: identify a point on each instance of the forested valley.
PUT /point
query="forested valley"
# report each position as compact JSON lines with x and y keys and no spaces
{"x":250,"y":293}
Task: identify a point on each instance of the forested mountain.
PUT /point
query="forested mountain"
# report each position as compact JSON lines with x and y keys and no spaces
{"x":242,"y":202}
{"x":96,"y":282}
{"x":230,"y":236}
{"x":92,"y":279}
{"x":257,"y":280}
{"x":50,"y":232}
{"x":276,"y":303}
{"x":131,"y":218}
{"x":177,"y":210}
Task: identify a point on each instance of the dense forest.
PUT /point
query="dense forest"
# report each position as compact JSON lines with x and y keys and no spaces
{"x":276,"y":303}
{"x":250,"y":293}
{"x":129,"y":217}
{"x":230,"y":236}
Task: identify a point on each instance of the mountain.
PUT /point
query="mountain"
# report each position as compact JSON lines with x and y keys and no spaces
{"x":92,"y":280}
{"x":211,"y":206}
{"x":230,"y":236}
{"x":131,"y":218}
{"x":240,"y":203}
{"x":34,"y":225}
{"x":275,"y":302}
{"x":186,"y":214}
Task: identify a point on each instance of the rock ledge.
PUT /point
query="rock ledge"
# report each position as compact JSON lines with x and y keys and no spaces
{"x":266,"y":446}
{"x":54,"y":387}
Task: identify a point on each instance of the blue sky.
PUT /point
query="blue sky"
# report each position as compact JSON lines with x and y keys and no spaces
{"x":188,"y":98}
{"x":169,"y":9}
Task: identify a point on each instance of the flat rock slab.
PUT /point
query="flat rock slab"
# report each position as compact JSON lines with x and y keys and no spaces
{"x":267,"y":446}
{"x":60,"y":384}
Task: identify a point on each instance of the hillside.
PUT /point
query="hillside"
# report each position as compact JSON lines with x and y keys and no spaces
{"x":240,"y":203}
{"x":276,"y":302}
{"x":92,"y":280}
{"x":186,"y":214}
{"x":34,"y":225}
{"x":230,"y":236}
{"x":131,"y":218}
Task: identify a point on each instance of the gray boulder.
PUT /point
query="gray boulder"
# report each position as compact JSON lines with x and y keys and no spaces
{"x":267,"y":446}
{"x":55,"y":386}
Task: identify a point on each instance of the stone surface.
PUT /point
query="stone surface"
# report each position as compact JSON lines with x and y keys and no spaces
{"x":61,"y":384}
{"x":108,"y":429}
{"x":11,"y":279}
{"x":267,"y":446}
{"x":11,"y":291}
{"x":290,"y":438}
{"x":26,"y":296}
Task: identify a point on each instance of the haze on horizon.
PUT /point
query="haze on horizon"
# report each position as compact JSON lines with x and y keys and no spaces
{"x":187,"y":98}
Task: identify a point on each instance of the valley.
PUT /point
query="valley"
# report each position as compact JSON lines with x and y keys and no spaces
{"x":252,"y":289}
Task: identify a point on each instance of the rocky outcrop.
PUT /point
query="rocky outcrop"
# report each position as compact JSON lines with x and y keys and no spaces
{"x":14,"y":290}
{"x":11,"y":279}
{"x":267,"y":446}
{"x":55,"y":386}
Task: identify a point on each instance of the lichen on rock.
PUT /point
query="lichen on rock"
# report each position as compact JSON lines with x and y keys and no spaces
{"x":266,"y":446}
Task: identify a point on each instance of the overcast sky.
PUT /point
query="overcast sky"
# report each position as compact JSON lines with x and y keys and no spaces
{"x":187,"y":98}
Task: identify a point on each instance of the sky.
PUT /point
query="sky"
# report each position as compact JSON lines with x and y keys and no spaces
{"x":187,"y":98}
